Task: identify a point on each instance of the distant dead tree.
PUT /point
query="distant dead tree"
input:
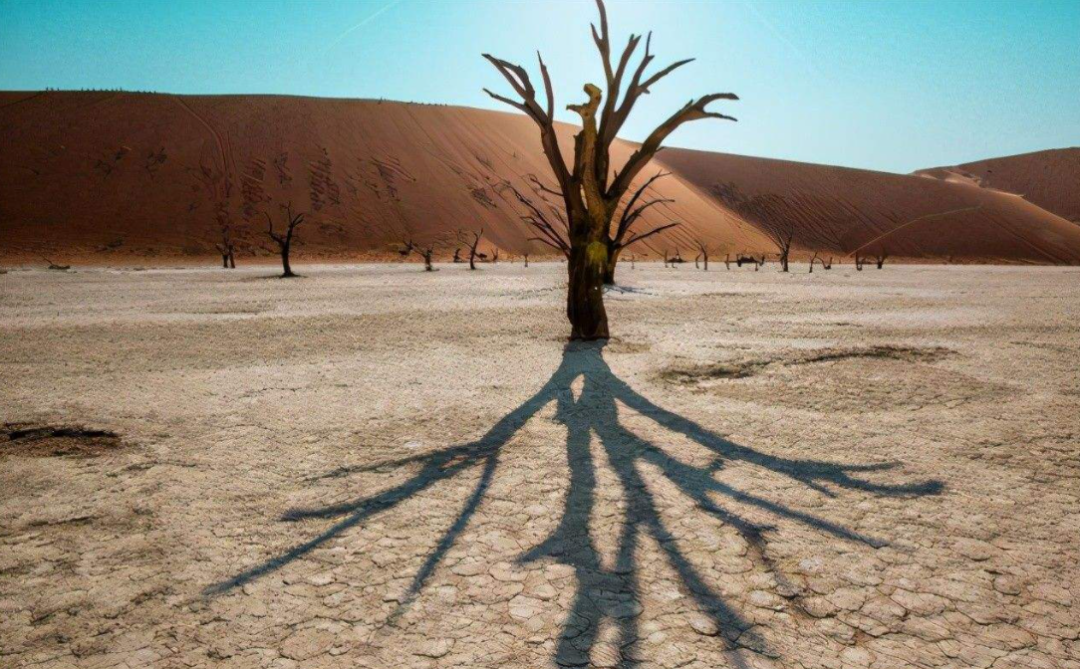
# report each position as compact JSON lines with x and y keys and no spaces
{"x":284,"y":241}
{"x":879,"y":259}
{"x":494,"y":254}
{"x":859,"y":260}
{"x":703,"y":253}
{"x":425,"y":251}
{"x":589,"y":187}
{"x":633,"y":261}
{"x":457,"y":255}
{"x":227,"y":249}
{"x":817,"y":257}
{"x":782,"y":233}
{"x":526,"y":256}
{"x":472,"y":241}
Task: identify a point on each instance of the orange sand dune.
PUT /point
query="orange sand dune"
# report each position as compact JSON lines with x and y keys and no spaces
{"x":1049,"y":179}
{"x":846,"y":210}
{"x":123,"y":177}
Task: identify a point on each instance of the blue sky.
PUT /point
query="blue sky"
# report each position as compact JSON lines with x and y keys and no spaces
{"x":890,"y":85}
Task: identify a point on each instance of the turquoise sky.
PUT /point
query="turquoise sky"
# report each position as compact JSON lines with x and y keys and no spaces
{"x":891,"y":85}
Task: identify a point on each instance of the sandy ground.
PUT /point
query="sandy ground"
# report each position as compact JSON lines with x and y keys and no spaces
{"x":375,"y":466}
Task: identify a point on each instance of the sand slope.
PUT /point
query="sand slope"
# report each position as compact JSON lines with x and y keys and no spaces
{"x":1049,"y":179}
{"x":116,"y":177}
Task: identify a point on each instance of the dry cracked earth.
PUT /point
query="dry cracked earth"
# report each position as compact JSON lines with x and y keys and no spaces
{"x":373,"y":466}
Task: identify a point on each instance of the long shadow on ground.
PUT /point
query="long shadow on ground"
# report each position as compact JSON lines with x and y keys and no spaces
{"x":603,"y":595}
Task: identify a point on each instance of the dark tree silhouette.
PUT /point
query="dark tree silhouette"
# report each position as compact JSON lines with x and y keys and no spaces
{"x":284,"y":241}
{"x":590,"y":187}
{"x":879,"y":258}
{"x":472,"y":240}
{"x":425,"y":251}
{"x":227,"y":249}
{"x":703,"y":253}
{"x":595,"y":411}
{"x":818,"y":258}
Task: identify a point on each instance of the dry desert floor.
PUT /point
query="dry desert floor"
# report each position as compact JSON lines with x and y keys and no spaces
{"x":374,"y":466}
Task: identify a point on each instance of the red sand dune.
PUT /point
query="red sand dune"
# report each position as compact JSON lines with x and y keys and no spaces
{"x":123,"y":177}
{"x":1049,"y":179}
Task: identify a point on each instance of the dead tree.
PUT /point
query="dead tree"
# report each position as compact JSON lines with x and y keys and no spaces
{"x":879,"y":259}
{"x":495,"y":254}
{"x":457,"y":255}
{"x":818,"y":258}
{"x":782,"y":232}
{"x":859,"y":260}
{"x":424,"y":251}
{"x":471,"y":240}
{"x":703,"y":253}
{"x":54,"y":266}
{"x":526,"y":256}
{"x":227,"y":249}
{"x":284,"y":241}
{"x":590,"y":188}
{"x":727,"y":261}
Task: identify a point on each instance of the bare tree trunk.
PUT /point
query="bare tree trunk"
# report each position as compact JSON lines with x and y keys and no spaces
{"x":585,"y":294}
{"x":232,"y":259}
{"x":225,"y":260}
{"x":526,"y":259}
{"x":286,"y":270}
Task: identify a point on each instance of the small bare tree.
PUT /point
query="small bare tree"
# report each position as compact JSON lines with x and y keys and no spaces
{"x":859,"y":260}
{"x":284,"y":241}
{"x":494,"y":254}
{"x":818,"y":258}
{"x":471,"y":240}
{"x":425,"y":251}
{"x":781,"y":231}
{"x":703,"y":253}
{"x":879,"y":259}
{"x":227,"y":249}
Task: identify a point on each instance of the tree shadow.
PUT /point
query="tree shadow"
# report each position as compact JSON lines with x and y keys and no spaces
{"x":603,"y":595}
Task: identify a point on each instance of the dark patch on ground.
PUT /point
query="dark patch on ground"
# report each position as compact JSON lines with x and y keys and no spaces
{"x":748,"y":368}
{"x":43,"y":441}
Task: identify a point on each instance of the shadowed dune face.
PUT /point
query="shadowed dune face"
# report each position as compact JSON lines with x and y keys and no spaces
{"x":114,"y":176}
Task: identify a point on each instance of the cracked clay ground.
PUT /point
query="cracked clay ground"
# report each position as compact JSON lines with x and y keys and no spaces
{"x":374,"y":466}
